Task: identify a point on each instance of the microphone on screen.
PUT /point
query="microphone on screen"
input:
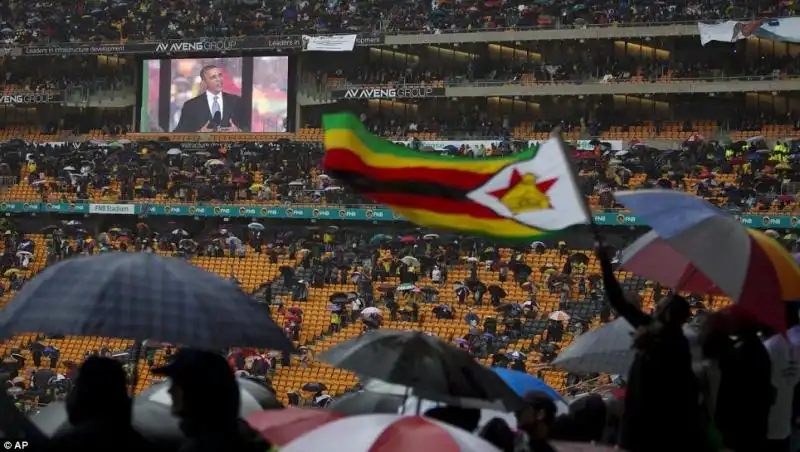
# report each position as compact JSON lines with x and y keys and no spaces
{"x":216,"y":121}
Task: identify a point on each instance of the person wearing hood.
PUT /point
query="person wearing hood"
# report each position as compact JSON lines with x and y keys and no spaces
{"x":662,"y":402}
{"x":99,"y":411}
{"x":206,"y":399}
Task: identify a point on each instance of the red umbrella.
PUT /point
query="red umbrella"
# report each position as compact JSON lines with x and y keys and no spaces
{"x":282,"y":426}
{"x":387,"y":433}
{"x":293,"y":318}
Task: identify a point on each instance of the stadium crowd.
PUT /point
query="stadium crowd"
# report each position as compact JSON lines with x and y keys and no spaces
{"x":85,"y":72}
{"x":742,"y":176}
{"x":558,"y":62}
{"x":493,"y":318}
{"x":514,"y":309}
{"x":21,"y":23}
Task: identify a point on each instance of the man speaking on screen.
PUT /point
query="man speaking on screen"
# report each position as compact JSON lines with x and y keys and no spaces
{"x":213,"y":110}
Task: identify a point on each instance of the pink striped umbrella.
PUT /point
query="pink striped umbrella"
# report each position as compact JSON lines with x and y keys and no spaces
{"x":388,"y":433}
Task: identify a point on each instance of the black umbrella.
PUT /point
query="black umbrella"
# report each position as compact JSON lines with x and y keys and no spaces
{"x":364,"y":402}
{"x":314,"y":387}
{"x":425,"y":363}
{"x":50,"y":228}
{"x":497,"y":291}
{"x":151,"y":411}
{"x":579,"y":258}
{"x":391,"y":401}
{"x":338,"y":297}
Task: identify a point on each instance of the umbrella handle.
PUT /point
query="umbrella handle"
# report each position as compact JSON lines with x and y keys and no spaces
{"x":137,"y":352}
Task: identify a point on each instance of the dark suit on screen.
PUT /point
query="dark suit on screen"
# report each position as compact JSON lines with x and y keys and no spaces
{"x":195,"y":113}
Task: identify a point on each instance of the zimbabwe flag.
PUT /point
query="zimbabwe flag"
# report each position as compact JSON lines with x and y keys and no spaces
{"x":517,"y":198}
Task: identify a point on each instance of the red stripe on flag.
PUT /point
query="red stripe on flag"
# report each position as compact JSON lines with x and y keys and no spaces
{"x":443,"y":206}
{"x":345,"y":160}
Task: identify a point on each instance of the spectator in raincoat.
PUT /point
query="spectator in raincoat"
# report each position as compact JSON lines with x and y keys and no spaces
{"x":662,"y":403}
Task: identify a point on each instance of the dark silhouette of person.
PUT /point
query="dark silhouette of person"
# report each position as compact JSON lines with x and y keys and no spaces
{"x":99,"y":411}
{"x":209,"y":418}
{"x":198,"y":113}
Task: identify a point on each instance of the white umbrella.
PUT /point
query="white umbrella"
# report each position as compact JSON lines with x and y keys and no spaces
{"x":559,"y":316}
{"x":410,"y":261}
{"x":69,"y":168}
{"x":174,"y":151}
{"x":372,"y":310}
{"x":214,"y":162}
{"x":296,"y":183}
{"x":332,"y":188}
{"x":256,"y":226}
{"x":608,"y":349}
{"x":430,"y":236}
{"x":366,"y":432}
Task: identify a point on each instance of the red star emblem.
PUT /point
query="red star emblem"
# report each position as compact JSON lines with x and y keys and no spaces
{"x":516,"y":179}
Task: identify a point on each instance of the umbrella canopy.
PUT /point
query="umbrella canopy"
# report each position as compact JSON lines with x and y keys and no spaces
{"x":697,"y":247}
{"x":256,"y":226}
{"x":388,"y":432}
{"x":151,"y":411}
{"x":523,"y":383}
{"x":365,"y":402}
{"x":314,"y":387}
{"x":434,"y":369}
{"x":382,"y":397}
{"x":406,"y":287}
{"x":410,"y":261}
{"x":281,"y":426}
{"x":608,"y":349}
{"x":559,"y":316}
{"x":141,"y":296}
{"x":371,"y":310}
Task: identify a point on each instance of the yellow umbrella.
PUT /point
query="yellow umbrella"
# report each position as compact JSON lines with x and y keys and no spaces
{"x":12,"y":271}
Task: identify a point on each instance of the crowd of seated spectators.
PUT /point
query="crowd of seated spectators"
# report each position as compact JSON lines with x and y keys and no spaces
{"x":597,"y":65}
{"x":742,"y":176}
{"x":63,"y":20}
{"x":24,"y":74}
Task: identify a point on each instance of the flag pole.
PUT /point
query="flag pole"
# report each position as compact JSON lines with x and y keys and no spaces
{"x":555,"y":134}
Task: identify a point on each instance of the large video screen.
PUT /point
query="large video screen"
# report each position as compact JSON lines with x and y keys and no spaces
{"x":191,"y":95}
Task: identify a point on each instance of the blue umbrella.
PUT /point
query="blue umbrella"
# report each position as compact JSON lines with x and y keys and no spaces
{"x":141,"y":296}
{"x":523,"y":383}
